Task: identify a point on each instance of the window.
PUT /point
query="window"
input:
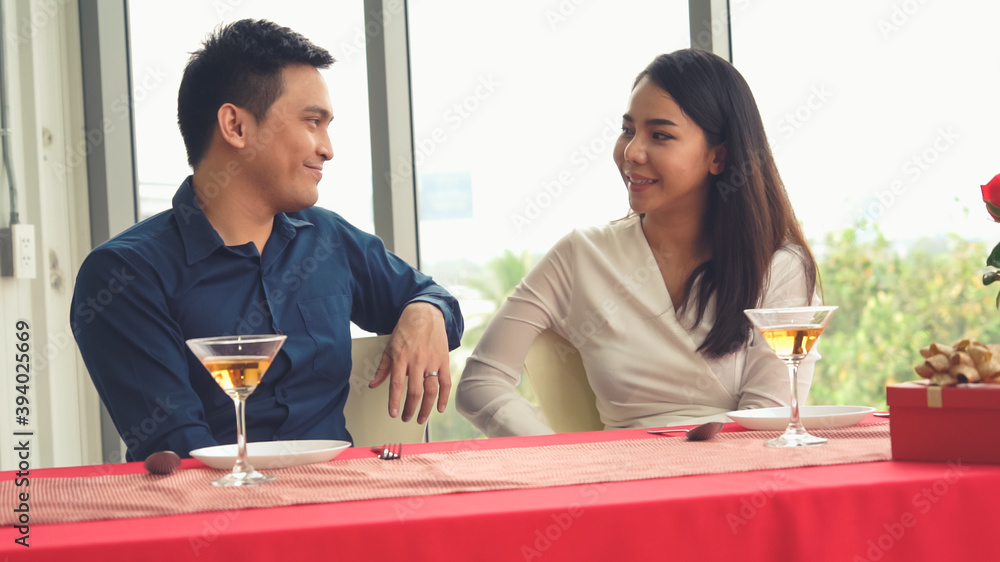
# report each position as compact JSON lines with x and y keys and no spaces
{"x":881,"y":116}
{"x":514,"y":123}
{"x":162,"y":36}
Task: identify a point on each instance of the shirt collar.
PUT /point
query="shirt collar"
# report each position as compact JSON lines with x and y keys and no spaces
{"x":290,"y":224}
{"x":199,"y":236}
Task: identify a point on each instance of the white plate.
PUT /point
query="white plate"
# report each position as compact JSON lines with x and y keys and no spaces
{"x":813,"y":417}
{"x":272,"y":454}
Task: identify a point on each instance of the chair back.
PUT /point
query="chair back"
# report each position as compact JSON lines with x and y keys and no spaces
{"x":367,"y":409}
{"x":559,"y":380}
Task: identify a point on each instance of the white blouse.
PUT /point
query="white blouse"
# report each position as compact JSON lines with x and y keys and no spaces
{"x":601,"y":289}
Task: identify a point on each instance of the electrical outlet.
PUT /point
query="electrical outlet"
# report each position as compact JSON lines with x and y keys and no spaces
{"x":23,"y":238}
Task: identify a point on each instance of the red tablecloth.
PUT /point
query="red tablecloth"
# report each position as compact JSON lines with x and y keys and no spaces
{"x":873,"y":511}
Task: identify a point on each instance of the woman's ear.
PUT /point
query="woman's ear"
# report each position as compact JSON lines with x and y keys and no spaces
{"x":718,"y":159}
{"x":233,"y":122}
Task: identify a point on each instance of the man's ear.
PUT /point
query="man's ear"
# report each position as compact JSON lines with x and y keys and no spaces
{"x":233,"y":124}
{"x":718,"y":159}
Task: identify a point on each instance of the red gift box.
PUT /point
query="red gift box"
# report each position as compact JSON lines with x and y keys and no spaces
{"x":957,"y":423}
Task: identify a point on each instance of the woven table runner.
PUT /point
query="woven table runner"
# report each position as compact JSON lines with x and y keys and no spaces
{"x":61,"y":500}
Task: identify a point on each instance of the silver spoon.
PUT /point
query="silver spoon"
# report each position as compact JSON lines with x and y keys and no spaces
{"x":162,"y":462}
{"x":702,"y":432}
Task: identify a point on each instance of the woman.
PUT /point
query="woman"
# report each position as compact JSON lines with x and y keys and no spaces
{"x":654,"y":302}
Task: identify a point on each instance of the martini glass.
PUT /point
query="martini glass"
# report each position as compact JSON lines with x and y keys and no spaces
{"x":791,"y":333}
{"x":237,"y":364}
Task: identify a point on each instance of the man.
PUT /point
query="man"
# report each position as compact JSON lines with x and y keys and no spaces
{"x":243,"y":251}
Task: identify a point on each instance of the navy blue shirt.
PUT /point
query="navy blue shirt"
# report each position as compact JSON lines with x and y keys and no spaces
{"x":170,"y":278}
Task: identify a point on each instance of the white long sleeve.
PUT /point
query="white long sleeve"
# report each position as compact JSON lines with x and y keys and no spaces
{"x":601,"y":289}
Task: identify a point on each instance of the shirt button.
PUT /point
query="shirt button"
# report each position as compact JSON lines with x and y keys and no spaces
{"x":283,"y":393}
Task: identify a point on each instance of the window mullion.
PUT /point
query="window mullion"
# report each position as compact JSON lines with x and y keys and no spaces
{"x":389,"y":103}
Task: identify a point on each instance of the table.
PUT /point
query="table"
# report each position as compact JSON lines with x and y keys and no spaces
{"x":872,"y":511}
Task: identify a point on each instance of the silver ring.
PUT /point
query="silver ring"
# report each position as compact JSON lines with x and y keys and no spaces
{"x":430,"y":374}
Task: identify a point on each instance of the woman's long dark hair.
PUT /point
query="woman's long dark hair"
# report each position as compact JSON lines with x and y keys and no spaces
{"x":748,"y":215}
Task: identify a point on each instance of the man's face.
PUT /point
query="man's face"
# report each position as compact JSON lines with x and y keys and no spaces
{"x":286,"y":150}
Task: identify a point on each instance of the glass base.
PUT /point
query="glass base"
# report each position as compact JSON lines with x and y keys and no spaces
{"x":796,"y":437}
{"x":248,"y":478}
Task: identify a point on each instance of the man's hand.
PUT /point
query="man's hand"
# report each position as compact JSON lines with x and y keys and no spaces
{"x":419,"y":346}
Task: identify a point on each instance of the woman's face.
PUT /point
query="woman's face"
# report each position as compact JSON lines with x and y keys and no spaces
{"x":663,"y":155}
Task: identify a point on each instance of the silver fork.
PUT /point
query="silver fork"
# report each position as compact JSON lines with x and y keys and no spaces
{"x":391,"y":452}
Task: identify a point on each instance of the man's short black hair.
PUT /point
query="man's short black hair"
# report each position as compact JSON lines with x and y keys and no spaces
{"x":241,"y":64}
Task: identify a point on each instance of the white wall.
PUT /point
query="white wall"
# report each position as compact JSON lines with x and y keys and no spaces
{"x":41,"y":40}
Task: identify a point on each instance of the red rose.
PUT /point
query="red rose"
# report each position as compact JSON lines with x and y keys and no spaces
{"x":991,"y":195}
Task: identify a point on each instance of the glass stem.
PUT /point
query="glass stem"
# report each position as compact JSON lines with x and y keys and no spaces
{"x":241,"y":435}
{"x":793,"y":376}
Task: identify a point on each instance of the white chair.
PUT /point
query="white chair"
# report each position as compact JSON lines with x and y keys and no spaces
{"x":367,"y":409}
{"x":559,"y":380}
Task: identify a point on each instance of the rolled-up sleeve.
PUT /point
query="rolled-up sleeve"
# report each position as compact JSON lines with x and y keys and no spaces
{"x":384,"y":284}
